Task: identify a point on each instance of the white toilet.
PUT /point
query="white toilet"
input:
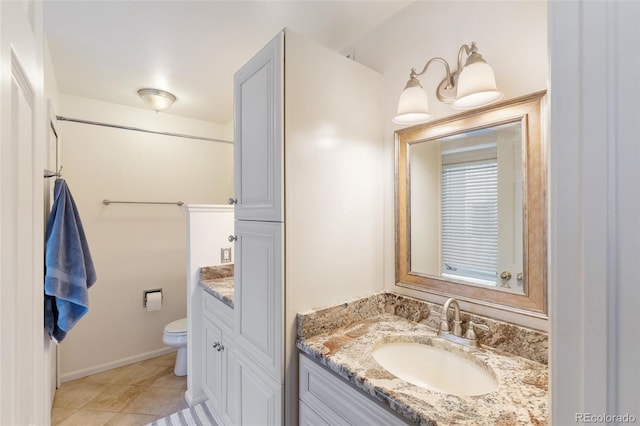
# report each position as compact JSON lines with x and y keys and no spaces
{"x":175,"y":334}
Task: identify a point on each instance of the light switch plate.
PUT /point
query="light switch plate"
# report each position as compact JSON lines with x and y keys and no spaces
{"x":225,"y":255}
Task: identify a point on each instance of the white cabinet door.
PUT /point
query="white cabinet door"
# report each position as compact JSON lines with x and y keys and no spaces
{"x":212,"y":364}
{"x":258,"y":294}
{"x":253,"y":398}
{"x":258,"y":88}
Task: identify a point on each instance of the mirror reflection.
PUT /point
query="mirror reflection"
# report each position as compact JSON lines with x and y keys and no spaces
{"x":466,"y":206}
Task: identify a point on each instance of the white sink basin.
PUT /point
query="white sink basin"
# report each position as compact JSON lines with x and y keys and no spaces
{"x":434,"y":369}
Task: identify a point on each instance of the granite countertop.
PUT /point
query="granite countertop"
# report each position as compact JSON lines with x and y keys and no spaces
{"x":520,"y":399}
{"x":218,"y":281}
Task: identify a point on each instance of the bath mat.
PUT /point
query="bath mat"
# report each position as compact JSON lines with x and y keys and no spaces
{"x":198,"y":415}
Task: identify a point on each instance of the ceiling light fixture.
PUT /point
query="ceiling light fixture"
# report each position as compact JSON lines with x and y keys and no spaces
{"x":156,"y":99}
{"x":469,"y":86}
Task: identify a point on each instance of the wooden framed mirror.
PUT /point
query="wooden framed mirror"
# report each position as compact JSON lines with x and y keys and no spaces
{"x":471,"y":214}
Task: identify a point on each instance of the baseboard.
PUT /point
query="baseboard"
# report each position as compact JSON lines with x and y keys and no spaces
{"x":193,"y":400}
{"x":66,"y":377}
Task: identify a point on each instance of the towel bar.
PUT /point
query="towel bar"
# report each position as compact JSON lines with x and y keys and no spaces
{"x":107,"y":202}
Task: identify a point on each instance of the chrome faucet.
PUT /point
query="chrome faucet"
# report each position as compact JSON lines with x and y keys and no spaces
{"x":455,"y":335}
{"x":457,"y":323}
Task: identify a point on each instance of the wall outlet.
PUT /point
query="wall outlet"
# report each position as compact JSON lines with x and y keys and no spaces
{"x":225,"y":255}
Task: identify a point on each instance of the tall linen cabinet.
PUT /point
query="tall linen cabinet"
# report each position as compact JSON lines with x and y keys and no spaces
{"x":309,"y":157}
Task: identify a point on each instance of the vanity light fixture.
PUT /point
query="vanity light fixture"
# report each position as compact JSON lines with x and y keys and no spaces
{"x":469,"y":86}
{"x":156,"y":99}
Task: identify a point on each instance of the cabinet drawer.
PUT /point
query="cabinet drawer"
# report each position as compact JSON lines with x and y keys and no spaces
{"x":308,"y":417}
{"x":217,"y":311}
{"x":337,"y":402}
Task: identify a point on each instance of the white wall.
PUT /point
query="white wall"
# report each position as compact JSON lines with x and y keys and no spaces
{"x":595,"y":233}
{"x":333,"y":210}
{"x":332,"y":180}
{"x":135,"y":247}
{"x":511,"y":36}
{"x":227,"y":131}
{"x":51,"y":92}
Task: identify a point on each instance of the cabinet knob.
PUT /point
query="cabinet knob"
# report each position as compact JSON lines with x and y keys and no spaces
{"x":232,"y":238}
{"x":505,"y":275}
{"x":216,"y":345}
{"x":220,"y":348}
{"x":232,"y":201}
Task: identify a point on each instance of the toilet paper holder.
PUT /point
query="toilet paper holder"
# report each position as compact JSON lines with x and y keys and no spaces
{"x":147,"y":292}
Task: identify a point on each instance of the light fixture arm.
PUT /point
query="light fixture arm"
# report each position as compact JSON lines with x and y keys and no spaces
{"x":465,"y":48}
{"x":446,"y":91}
{"x":448,"y":78}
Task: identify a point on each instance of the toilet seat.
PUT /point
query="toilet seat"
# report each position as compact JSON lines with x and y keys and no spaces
{"x":176,"y":327}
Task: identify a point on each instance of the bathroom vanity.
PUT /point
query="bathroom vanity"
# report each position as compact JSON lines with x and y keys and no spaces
{"x":341,"y":382}
{"x":233,"y":382}
{"x":296,"y":140}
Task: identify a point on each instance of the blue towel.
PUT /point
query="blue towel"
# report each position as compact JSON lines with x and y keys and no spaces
{"x":69,"y":270}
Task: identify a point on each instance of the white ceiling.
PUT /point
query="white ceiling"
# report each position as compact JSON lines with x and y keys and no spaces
{"x":107,"y":50}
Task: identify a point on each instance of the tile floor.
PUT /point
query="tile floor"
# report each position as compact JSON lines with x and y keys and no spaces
{"x":134,"y":395}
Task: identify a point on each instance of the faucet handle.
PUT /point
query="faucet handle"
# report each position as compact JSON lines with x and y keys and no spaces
{"x":471,"y":334}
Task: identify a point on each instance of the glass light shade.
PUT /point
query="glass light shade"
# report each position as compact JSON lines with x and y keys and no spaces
{"x":156,"y":99}
{"x":476,"y":86}
{"x":413,"y":106}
